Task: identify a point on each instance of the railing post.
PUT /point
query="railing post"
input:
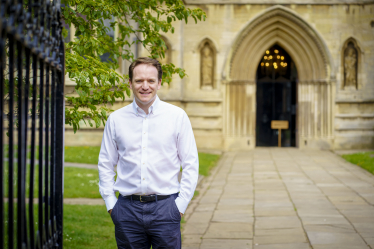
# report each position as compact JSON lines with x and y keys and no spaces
{"x":2,"y":168}
{"x":60,"y":133}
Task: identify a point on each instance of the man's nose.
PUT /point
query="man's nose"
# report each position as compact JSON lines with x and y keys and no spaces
{"x":145,"y":84}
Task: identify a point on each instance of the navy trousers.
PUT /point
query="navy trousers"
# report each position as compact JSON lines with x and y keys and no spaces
{"x":138,"y":225}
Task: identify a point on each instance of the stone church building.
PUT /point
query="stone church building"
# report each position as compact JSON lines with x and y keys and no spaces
{"x":308,"y":62}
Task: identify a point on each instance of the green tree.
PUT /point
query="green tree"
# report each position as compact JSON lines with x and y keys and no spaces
{"x":97,"y":82}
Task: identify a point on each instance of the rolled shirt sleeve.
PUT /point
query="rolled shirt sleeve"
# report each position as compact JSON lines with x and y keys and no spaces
{"x":108,"y":158}
{"x":188,"y":155}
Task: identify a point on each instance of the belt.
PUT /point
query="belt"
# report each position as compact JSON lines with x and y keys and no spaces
{"x":146,"y":198}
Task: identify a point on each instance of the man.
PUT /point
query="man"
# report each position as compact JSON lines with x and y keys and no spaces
{"x":148,"y":140}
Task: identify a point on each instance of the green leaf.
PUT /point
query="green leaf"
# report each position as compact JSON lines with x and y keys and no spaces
{"x":92,"y":107}
{"x":64,"y":32}
{"x":66,"y":12}
{"x":128,"y":93}
{"x":81,"y":28}
{"x":103,"y":112}
{"x":80,"y":8}
{"x":194,"y":17}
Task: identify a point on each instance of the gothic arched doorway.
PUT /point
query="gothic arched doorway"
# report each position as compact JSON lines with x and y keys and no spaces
{"x":315,"y":87}
{"x":276,"y":83}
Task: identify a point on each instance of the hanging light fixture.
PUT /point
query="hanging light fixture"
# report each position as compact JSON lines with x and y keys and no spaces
{"x":274,"y":58}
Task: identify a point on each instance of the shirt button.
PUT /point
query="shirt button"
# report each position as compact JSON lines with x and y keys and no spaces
{"x":143,"y":163}
{"x":144,"y":132}
{"x":143,"y":179}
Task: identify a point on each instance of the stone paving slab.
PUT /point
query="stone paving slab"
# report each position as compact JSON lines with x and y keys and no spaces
{"x":324,"y":238}
{"x":283,"y":246}
{"x":226,"y":244}
{"x":325,"y":221}
{"x":195,"y":228}
{"x":340,"y":246}
{"x":240,"y":215}
{"x":277,"y":222}
{"x":271,"y":211}
{"x":277,"y":238}
{"x":330,"y":228}
{"x":280,"y":236}
{"x":282,"y":198}
{"x":229,"y":230}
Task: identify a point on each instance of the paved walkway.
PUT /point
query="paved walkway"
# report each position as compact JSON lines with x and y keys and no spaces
{"x":282,"y":198}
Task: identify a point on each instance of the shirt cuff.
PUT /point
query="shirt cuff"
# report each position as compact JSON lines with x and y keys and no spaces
{"x":181,"y":204}
{"x":110,"y":201}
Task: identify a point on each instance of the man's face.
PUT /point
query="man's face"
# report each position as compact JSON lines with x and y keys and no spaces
{"x":145,"y":84}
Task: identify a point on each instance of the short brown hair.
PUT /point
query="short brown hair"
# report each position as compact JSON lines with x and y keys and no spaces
{"x":148,"y":61}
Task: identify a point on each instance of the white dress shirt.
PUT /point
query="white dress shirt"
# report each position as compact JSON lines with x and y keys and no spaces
{"x":148,"y":151}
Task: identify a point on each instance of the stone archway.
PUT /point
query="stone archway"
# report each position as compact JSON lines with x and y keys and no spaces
{"x":279,"y":25}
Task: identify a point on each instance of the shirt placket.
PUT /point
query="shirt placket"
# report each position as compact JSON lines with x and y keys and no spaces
{"x":144,"y":160}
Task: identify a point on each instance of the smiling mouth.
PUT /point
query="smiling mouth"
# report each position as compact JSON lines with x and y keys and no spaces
{"x":145,"y":93}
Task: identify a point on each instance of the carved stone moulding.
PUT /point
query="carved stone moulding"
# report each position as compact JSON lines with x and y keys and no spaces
{"x":279,"y":25}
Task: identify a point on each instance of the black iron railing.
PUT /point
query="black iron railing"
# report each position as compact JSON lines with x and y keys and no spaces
{"x":32,"y":124}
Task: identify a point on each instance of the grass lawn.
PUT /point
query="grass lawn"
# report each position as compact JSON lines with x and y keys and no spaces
{"x":82,"y":154}
{"x":364,"y":160}
{"x":15,"y":182}
{"x":90,"y":155}
{"x":87,"y":226}
{"x":207,"y":162}
{"x":80,"y":182}
{"x":15,"y":150}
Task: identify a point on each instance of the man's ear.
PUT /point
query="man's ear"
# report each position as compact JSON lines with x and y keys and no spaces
{"x":130,"y":83}
{"x":159,"y":85}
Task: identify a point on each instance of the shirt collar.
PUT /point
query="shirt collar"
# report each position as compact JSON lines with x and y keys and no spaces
{"x":151,"y":109}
